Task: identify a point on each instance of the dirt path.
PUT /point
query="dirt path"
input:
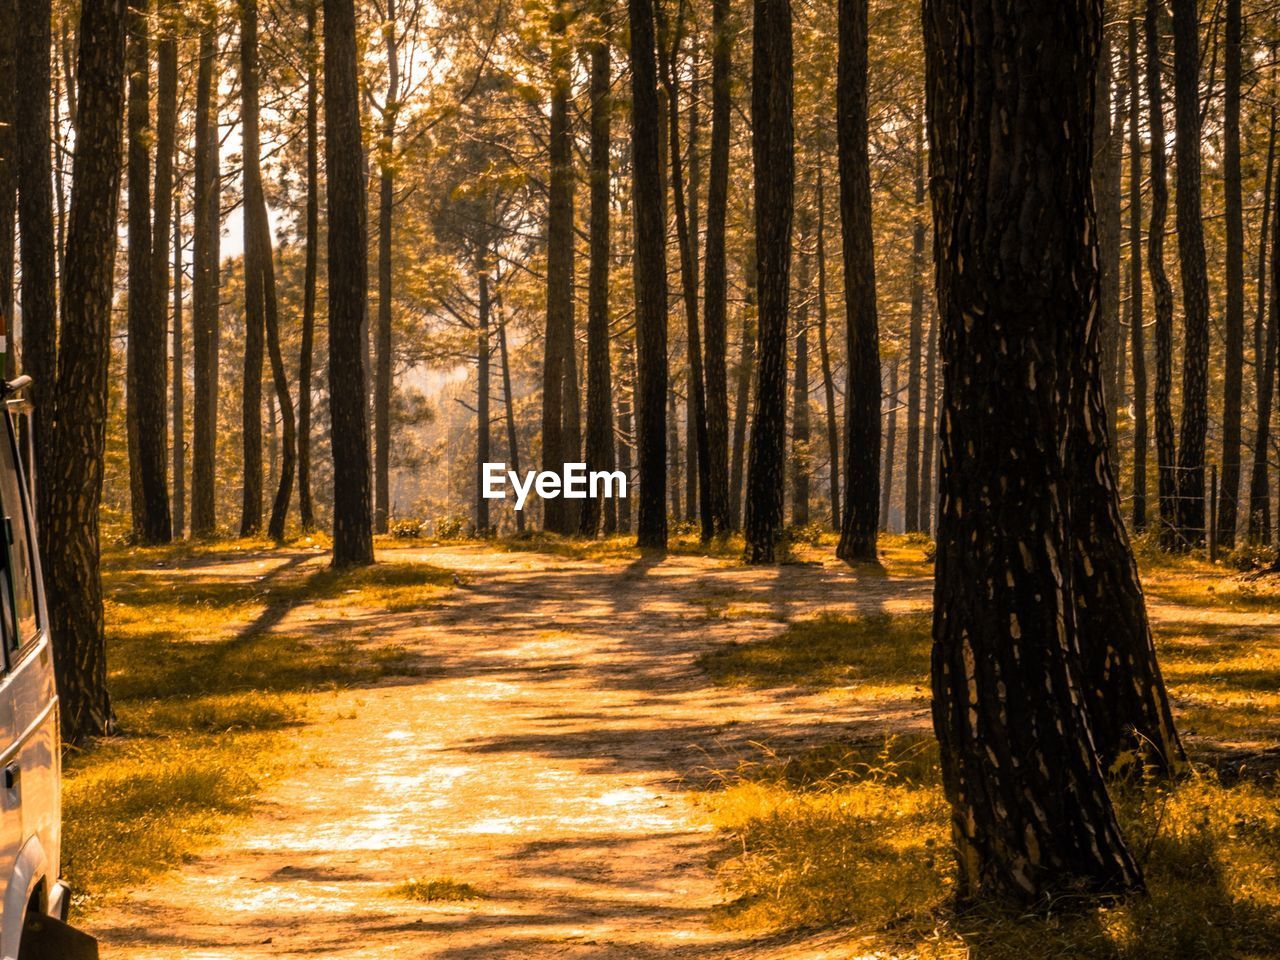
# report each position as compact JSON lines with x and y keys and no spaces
{"x":541,"y":757}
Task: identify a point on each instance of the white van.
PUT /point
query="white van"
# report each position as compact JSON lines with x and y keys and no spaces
{"x":34,"y":910}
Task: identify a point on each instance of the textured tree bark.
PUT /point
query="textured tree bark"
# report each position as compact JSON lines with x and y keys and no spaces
{"x":348,"y":289}
{"x":483,"y":456}
{"x":773,"y":168}
{"x":1017,"y":287}
{"x":147,"y":387}
{"x":206,"y":240}
{"x":742,"y":396}
{"x":599,"y":449}
{"x":1162,"y":293}
{"x":1195,"y":285}
{"x":1259,"y":488}
{"x":1264,"y":234}
{"x":862,"y":395}
{"x":714,"y":279}
{"x":382,"y":385}
{"x":626,"y":404}
{"x":306,"y":509}
{"x":1233,"y":318}
{"x":167,"y":217}
{"x":890,"y":440}
{"x":559,"y":330}
{"x":801,"y":459}
{"x":824,"y":349}
{"x":650,"y":281}
{"x":911,"y":477}
{"x":74,"y":478}
{"x":1137,"y":317}
{"x":254,"y":294}
{"x":38,"y":297}
{"x":928,"y":492}
{"x":179,"y":380}
{"x":1106,"y":192}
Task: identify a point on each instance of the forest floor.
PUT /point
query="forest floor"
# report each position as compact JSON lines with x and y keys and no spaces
{"x":562,"y":750}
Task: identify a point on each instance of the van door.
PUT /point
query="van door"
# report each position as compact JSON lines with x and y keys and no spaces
{"x":29,"y":763}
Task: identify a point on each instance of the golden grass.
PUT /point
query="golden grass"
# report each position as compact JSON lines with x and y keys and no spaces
{"x":856,"y":834}
{"x":203,"y":686}
{"x":437,"y":890}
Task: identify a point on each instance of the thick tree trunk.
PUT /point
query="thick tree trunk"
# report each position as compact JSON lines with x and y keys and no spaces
{"x":348,"y":289}
{"x":1233,"y":319}
{"x":166,"y":210}
{"x":824,"y":350}
{"x":911,"y":478}
{"x":801,"y":458}
{"x":650,"y":280}
{"x":254,"y":295}
{"x":773,"y":165}
{"x":1195,"y":285}
{"x":1137,"y":316}
{"x":599,"y":448}
{"x":147,"y":389}
{"x":1162,"y":293}
{"x":862,"y":395}
{"x":38,"y":297}
{"x":386,"y":208}
{"x":1106,"y":192}
{"x":74,"y":477}
{"x":1259,"y":488}
{"x":714,"y":280}
{"x":1010,"y":102}
{"x":559,"y":276}
{"x":890,"y":441}
{"x":206,"y":234}
{"x":306,"y":348}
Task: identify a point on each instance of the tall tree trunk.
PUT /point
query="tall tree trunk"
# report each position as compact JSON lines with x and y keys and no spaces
{"x":147,"y":389}
{"x":206,"y":236}
{"x":626,"y":404}
{"x":166,"y":210}
{"x":599,"y":450}
{"x":1259,"y":488}
{"x":773,"y":167}
{"x":862,"y":394}
{"x":714,"y":281}
{"x":890,"y":442}
{"x":742,"y":397}
{"x":38,"y":296}
{"x":559,"y":333}
{"x":179,"y":380}
{"x":288,"y":425}
{"x":674,"y":466}
{"x":824,"y":350}
{"x":1162,"y":293}
{"x":911,"y":479}
{"x":483,"y":455}
{"x":306,"y":510}
{"x":513,"y":443}
{"x":1137,"y":316}
{"x":697,"y":478}
{"x":348,"y":289}
{"x":386,"y":208}
{"x":254,"y":295}
{"x":928,"y":456}
{"x":1264,"y":234}
{"x":74,"y":478}
{"x":1106,"y":192}
{"x":801,"y":458}
{"x":1195,"y":285}
{"x":1010,"y":102}
{"x":1233,"y":319}
{"x":650,"y":280}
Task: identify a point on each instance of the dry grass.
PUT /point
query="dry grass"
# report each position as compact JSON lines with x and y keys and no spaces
{"x":204,"y":688}
{"x":437,"y":890}
{"x":856,"y":833}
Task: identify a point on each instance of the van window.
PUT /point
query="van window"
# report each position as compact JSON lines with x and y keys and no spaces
{"x":19,"y":580}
